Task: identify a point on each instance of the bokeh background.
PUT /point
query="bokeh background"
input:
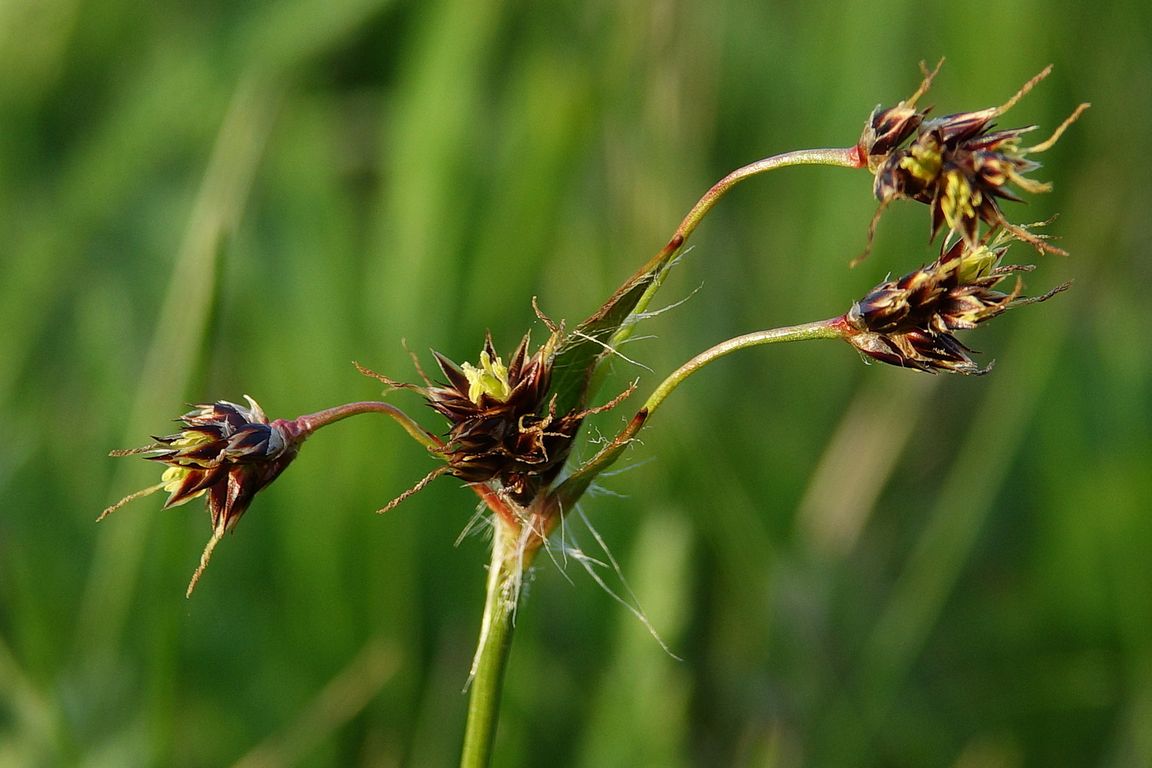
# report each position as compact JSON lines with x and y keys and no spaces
{"x":855,"y":565}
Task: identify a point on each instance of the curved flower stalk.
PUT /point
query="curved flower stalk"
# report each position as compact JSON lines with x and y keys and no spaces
{"x":910,"y":322}
{"x":956,"y":164}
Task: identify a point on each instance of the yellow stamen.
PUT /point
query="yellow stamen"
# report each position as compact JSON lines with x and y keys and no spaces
{"x":959,"y":199}
{"x":491,"y":379}
{"x":922,"y":162}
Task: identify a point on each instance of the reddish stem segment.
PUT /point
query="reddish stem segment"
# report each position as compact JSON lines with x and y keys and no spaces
{"x":302,"y":427}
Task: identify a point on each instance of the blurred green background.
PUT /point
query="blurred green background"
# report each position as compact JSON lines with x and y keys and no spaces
{"x":856,"y":565}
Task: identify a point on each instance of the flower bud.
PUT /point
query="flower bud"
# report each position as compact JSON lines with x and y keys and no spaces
{"x":887,"y":129}
{"x":225,"y":452}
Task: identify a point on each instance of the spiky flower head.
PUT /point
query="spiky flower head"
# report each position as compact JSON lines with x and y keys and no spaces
{"x":504,"y":427}
{"x":911,"y":322}
{"x":956,"y":164}
{"x":503,"y":424}
{"x":224,"y":452}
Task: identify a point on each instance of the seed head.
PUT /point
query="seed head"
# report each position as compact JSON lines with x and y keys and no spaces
{"x":224,"y":451}
{"x":957,"y":164}
{"x":911,"y":322}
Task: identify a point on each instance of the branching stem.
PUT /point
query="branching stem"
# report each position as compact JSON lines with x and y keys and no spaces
{"x":841,"y":157}
{"x":304,"y":426}
{"x":514,"y":544}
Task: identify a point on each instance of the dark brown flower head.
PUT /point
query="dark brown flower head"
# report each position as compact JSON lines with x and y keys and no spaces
{"x":225,"y":452}
{"x":911,"y":322}
{"x":961,"y":167}
{"x":505,"y":430}
{"x":961,"y":179}
{"x":504,"y":425}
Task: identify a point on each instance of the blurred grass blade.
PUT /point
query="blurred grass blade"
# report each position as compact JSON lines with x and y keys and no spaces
{"x":344,"y":697}
{"x":36,"y":715}
{"x":951,"y":533}
{"x":642,"y":687}
{"x":427,"y":151}
{"x":858,"y":461}
{"x":176,"y":344}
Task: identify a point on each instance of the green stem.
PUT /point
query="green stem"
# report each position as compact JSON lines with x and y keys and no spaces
{"x":574,"y":486}
{"x":504,"y":573}
{"x":842,"y":157}
{"x":845,"y":157}
{"x":822,"y":329}
{"x":509,"y":554}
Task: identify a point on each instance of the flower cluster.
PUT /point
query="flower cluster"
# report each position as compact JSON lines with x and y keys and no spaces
{"x":910,"y":322}
{"x":504,"y":427}
{"x":511,"y":426}
{"x":224,"y":451}
{"x":957,"y":164}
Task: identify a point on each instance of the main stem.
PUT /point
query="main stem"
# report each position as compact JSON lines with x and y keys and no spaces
{"x":504,"y":573}
{"x":508,"y":556}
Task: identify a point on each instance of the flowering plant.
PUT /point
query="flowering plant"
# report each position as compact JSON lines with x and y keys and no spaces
{"x":510,"y":423}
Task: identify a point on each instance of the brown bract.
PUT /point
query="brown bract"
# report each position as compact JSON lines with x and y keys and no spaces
{"x":887,"y":129}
